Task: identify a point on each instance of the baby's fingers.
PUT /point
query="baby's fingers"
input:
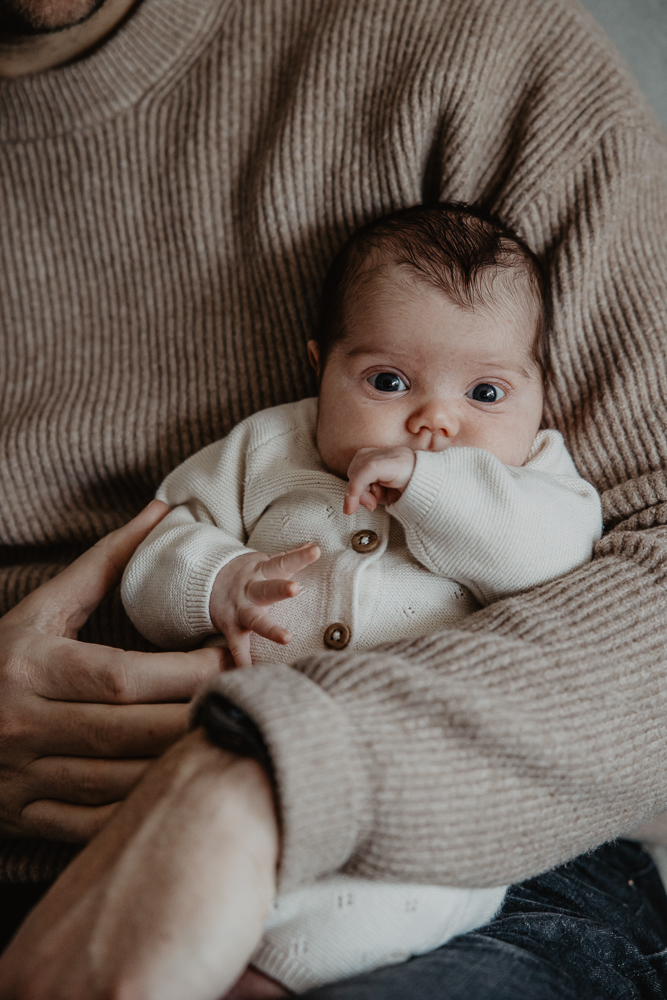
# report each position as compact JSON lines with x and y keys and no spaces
{"x":363,"y":471}
{"x":250,"y":617}
{"x":267,"y":592}
{"x":371,"y":471}
{"x":367,"y":498}
{"x":288,"y":563}
{"x":239,"y":647}
{"x":350,"y":504}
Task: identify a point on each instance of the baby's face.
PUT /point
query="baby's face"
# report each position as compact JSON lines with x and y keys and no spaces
{"x":415,"y":369}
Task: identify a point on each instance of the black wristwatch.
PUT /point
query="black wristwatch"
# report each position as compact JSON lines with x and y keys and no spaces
{"x":227,"y":726}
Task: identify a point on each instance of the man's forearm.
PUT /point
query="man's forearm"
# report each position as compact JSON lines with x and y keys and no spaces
{"x":169,"y":899}
{"x":482,"y":754}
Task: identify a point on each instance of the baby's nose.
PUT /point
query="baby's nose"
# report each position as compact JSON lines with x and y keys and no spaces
{"x":435,"y":424}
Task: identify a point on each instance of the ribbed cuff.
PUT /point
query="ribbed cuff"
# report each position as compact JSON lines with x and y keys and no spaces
{"x":286,"y":969}
{"x":422,"y":490}
{"x":321,"y":783}
{"x":199,"y":584}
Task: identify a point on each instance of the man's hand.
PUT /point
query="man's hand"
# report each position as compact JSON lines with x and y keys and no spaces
{"x":377,"y":475}
{"x":254,"y":985}
{"x":247,"y":585}
{"x":169,"y":901}
{"x":78,"y":721}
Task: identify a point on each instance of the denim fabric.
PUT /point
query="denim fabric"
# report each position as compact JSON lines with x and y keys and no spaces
{"x":592,"y":929}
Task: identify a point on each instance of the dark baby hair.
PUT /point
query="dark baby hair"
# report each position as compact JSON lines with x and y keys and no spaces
{"x":462,"y":250}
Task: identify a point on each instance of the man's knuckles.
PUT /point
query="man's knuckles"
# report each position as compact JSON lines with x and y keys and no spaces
{"x":17,"y":729}
{"x":83,"y":785}
{"x":96,"y":673}
{"x":102,"y":734}
{"x":118,"y":680}
{"x":17,"y":790}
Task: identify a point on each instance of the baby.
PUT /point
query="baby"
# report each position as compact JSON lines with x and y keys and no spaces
{"x":414,"y":490}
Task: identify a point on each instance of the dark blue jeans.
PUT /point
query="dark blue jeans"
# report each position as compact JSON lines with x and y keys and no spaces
{"x":593,"y":929}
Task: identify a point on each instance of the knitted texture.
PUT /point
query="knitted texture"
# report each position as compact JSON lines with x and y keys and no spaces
{"x":170,"y":205}
{"x":470,"y":520}
{"x":30,"y":861}
{"x":483,"y":530}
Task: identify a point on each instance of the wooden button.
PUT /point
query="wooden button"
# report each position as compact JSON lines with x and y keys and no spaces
{"x":337,"y":636}
{"x":365,"y":541}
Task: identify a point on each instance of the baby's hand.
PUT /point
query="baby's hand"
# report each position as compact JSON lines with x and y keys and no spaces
{"x":246,"y":585}
{"x":377,"y":475}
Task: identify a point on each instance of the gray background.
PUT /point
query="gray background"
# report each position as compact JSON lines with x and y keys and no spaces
{"x":638,"y":29}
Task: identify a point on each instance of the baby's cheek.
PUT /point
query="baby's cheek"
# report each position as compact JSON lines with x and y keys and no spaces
{"x":512,"y":440}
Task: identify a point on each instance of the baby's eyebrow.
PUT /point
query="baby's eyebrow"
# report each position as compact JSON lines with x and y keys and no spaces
{"x":502,"y":367}
{"x":356,"y":351}
{"x":498,"y":363}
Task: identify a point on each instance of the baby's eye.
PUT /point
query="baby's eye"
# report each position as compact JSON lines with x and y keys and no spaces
{"x":387,"y":382}
{"x":486,"y":393}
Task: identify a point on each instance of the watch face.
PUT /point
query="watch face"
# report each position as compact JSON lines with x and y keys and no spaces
{"x":227,"y":726}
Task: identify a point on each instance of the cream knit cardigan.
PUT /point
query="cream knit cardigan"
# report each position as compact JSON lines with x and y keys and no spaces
{"x":480,"y":529}
{"x":169,"y":206}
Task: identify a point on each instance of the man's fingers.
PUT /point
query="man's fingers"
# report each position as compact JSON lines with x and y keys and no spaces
{"x":84,"y":781}
{"x":45,"y":818}
{"x":254,"y":985}
{"x":62,"y":605}
{"x":266,"y":592}
{"x":254,"y":620}
{"x":77,"y":671}
{"x":288,"y":563}
{"x":89,"y":730}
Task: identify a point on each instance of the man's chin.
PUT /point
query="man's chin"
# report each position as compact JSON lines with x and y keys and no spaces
{"x":21,"y":18}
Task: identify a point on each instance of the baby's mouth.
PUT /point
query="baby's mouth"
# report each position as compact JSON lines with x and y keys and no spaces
{"x":434,"y":442}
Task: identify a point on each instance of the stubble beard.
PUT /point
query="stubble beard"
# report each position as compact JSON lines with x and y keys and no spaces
{"x":21,"y":18}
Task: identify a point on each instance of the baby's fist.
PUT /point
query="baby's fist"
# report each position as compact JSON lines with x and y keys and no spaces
{"x":378,"y":475}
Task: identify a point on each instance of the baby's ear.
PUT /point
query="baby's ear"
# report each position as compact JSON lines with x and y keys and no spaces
{"x":314,"y":355}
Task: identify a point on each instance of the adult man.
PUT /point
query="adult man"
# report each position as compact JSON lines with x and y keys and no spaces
{"x":170,"y":202}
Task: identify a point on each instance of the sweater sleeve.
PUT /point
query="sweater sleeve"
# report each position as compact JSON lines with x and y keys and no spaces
{"x":498,"y":529}
{"x":535,"y":729}
{"x":167,"y":585}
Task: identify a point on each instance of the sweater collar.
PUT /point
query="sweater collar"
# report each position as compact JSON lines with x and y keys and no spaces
{"x":159,"y":40}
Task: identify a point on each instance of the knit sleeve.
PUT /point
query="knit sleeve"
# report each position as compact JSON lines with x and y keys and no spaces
{"x":535,"y":729}
{"x":494,"y":528}
{"x":167,"y":585}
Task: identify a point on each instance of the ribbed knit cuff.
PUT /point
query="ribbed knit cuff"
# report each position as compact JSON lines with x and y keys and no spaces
{"x":320,"y":780}
{"x":199,"y":584}
{"x":286,"y":969}
{"x":422,"y":490}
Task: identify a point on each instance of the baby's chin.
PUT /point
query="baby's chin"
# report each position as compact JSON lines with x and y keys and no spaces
{"x":335,"y":465}
{"x":336,"y":458}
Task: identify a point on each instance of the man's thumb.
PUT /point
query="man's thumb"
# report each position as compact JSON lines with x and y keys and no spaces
{"x":62,"y":605}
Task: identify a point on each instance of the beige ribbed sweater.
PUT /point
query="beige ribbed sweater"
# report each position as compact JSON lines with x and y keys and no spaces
{"x":169,"y":206}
